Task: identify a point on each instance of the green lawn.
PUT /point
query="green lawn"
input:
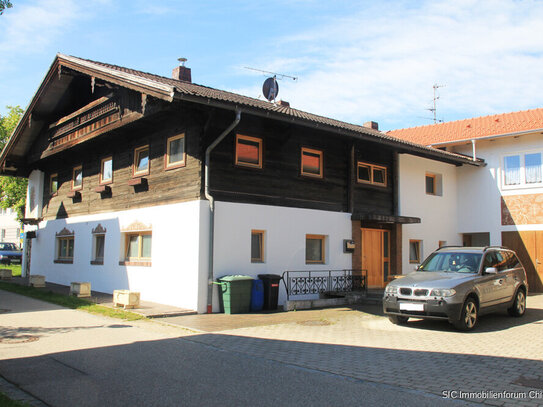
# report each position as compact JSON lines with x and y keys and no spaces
{"x":69,"y":301}
{"x":15,"y":269}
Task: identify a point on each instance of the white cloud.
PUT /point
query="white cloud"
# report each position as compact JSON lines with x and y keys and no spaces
{"x":380,"y":64}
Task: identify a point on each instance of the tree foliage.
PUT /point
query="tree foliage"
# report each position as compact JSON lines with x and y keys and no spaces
{"x":4,"y":4}
{"x":12,"y":189}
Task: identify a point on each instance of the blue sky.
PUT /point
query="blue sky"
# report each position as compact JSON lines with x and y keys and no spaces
{"x":356,"y":60}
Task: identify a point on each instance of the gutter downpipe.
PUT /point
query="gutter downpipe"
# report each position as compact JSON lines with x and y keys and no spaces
{"x":473,"y":150}
{"x":212,"y":206}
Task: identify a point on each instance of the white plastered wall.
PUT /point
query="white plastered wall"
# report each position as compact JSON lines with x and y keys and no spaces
{"x":438,"y":214}
{"x":284,"y":241}
{"x":480,"y":189}
{"x":178,"y":275}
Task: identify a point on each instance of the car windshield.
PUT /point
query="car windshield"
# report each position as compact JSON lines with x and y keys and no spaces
{"x":456,"y":262}
{"x":7,"y":246}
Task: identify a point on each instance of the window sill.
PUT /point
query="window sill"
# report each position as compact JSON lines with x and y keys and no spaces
{"x":97,"y":262}
{"x":63,"y":261}
{"x":137,"y":181}
{"x":102,"y":189}
{"x":135,"y":263}
{"x":174,"y":166}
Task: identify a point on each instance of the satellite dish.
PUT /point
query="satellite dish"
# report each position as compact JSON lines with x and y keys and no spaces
{"x":270,"y":89}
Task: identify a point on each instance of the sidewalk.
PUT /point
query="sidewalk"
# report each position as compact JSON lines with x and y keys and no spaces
{"x":147,"y":308}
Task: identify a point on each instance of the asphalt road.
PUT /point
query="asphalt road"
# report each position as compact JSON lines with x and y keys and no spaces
{"x":71,"y":358}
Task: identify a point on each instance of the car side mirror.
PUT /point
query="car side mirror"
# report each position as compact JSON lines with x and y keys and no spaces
{"x":491,"y":270}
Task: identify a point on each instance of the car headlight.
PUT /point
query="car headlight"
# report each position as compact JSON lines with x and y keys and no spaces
{"x":442,"y":292}
{"x":391,"y":289}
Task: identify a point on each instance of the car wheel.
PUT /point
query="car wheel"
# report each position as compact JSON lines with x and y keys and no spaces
{"x":469,"y":316}
{"x":397,"y":319}
{"x":519,"y":306}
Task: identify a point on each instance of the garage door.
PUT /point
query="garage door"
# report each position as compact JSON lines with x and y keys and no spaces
{"x":529,"y":247}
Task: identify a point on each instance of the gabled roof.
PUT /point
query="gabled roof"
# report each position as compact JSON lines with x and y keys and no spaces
{"x":497,"y":125}
{"x":171,"y":89}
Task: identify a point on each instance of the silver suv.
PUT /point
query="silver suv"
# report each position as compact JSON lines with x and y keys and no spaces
{"x":459,"y":284}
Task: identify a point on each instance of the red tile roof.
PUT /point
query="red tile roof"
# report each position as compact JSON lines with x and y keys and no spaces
{"x":469,"y":129}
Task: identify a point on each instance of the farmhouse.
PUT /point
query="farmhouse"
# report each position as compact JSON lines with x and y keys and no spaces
{"x":159,"y":185}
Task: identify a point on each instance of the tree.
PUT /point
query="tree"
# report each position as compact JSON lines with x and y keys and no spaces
{"x":4,"y":4}
{"x":12,"y":189}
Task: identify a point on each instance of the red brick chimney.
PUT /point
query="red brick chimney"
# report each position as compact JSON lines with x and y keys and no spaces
{"x":182,"y":73}
{"x":372,"y":125}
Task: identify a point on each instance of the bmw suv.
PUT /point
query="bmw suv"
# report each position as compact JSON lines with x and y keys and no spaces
{"x":459,"y":284}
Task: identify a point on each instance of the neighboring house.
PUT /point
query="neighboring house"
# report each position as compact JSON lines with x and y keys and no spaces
{"x":10,"y":227}
{"x":502,"y":204}
{"x":160,"y":185}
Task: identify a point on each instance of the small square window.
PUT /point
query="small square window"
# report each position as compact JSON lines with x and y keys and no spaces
{"x":141,"y":161}
{"x":248,"y":151}
{"x":106,"y":171}
{"x":533,"y":168}
{"x":311,"y":162}
{"x":414,"y":251}
{"x":430,"y":184}
{"x":314,"y":249}
{"x":379,"y":175}
{"x":53,"y":184}
{"x":257,"y":246}
{"x":77,"y":178}
{"x":138,"y":246}
{"x":442,"y":243}
{"x":175,"y":152}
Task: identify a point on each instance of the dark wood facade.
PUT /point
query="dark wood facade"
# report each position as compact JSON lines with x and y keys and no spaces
{"x":93,"y":119}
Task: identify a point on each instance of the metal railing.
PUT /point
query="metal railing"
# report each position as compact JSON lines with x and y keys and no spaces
{"x":305,"y":282}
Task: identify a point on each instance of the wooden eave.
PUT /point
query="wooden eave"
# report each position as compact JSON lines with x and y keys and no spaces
{"x":14,"y":157}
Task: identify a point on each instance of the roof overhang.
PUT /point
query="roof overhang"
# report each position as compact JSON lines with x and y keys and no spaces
{"x":491,"y":137}
{"x":385,"y":218}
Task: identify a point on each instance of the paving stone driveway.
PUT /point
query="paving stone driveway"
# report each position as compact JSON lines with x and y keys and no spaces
{"x":504,"y":355}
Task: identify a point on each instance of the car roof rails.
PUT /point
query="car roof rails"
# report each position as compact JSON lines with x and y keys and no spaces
{"x":496,"y":247}
{"x":447,"y":247}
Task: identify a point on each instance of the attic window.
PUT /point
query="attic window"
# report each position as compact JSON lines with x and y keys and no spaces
{"x":77,"y":178}
{"x":175,"y":152}
{"x":106,"y":171}
{"x":372,"y":174}
{"x":248,"y":151}
{"x":311,"y":162}
{"x":141,"y":161}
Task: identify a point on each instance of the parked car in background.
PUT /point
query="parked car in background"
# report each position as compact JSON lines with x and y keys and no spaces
{"x":459,"y":284}
{"x":9,"y":253}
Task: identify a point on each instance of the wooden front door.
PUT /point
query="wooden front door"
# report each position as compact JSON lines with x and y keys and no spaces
{"x":529,"y":247}
{"x":375,"y":257}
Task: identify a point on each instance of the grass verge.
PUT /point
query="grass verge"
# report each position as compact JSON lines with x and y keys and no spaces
{"x":15,"y":269}
{"x":69,"y":301}
{"x":5,"y":401}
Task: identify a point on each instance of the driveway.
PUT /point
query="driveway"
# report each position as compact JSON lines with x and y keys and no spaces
{"x":499,"y":363}
{"x":334,"y":356}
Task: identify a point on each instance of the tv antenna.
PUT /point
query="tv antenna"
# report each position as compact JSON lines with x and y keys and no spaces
{"x":270,"y":87}
{"x":275,"y":74}
{"x":434,"y":108}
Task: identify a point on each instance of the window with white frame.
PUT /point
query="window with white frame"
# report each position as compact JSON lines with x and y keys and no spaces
{"x":523,"y":170}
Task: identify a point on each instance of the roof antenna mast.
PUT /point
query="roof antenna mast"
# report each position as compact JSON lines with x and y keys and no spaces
{"x":270,"y":88}
{"x":436,"y":97}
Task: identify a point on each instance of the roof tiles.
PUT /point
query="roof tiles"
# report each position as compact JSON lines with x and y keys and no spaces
{"x":474,"y":128}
